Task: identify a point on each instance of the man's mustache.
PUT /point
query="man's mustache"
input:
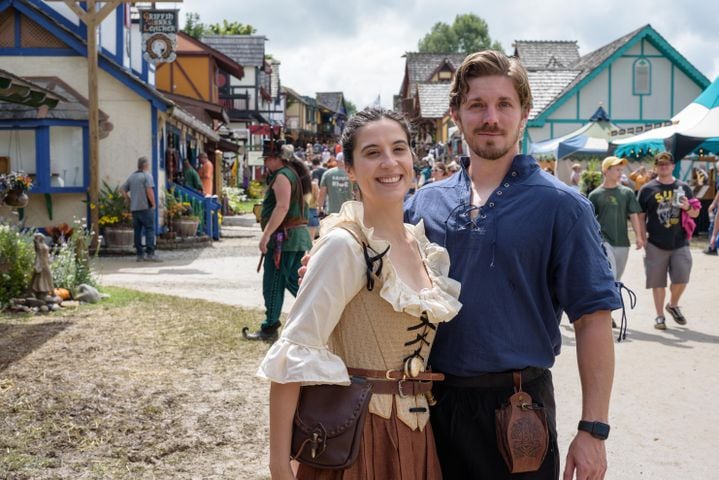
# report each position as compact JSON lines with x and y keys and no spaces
{"x":488,"y":130}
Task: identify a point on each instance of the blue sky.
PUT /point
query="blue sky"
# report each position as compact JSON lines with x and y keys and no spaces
{"x":356,"y":46}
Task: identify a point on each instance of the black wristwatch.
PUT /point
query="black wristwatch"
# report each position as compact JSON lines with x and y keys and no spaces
{"x":596,"y":429}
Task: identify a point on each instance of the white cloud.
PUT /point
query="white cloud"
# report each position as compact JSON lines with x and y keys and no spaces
{"x":356,"y":46}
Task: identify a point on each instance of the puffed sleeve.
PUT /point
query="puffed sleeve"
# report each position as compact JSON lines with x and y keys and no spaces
{"x":335,"y":274}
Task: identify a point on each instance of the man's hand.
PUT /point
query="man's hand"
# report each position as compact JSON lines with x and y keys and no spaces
{"x":587,"y":456}
{"x":640,"y":243}
{"x":303,"y":269}
{"x":264,"y":240}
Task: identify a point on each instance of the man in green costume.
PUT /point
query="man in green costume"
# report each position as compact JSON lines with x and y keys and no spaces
{"x":192,"y":178}
{"x":285,"y":237}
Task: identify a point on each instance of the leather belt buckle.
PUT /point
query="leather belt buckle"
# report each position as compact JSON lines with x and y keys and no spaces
{"x":399,"y":388}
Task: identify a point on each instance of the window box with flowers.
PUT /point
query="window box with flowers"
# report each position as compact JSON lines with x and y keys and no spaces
{"x":181,"y":216}
{"x":13,"y":189}
{"x":115,"y":219}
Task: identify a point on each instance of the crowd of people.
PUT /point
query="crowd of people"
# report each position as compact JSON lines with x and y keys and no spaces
{"x":422,"y":284}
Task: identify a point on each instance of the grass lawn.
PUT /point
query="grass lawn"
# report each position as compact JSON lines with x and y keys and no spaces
{"x":137,"y":386}
{"x":245,"y":207}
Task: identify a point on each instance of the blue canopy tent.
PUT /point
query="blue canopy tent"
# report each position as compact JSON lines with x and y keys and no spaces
{"x":695,"y":127}
{"x":591,"y":138}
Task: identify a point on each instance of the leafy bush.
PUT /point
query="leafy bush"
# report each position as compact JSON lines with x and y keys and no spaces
{"x":71,"y":261}
{"x":256,"y":189}
{"x":17,"y":255}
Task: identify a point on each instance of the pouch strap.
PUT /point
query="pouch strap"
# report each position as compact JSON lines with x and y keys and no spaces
{"x":517,"y":379}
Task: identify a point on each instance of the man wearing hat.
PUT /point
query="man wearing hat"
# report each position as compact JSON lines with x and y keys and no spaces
{"x":613,"y":204}
{"x":664,"y":201}
{"x":285,"y":236}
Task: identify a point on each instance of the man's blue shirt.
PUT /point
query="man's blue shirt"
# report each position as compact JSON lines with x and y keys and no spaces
{"x":531,"y":252}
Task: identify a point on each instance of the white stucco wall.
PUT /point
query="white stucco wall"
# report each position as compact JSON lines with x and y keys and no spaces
{"x":595,"y":93}
{"x":657,"y":106}
{"x":624,"y":104}
{"x":130,"y":138}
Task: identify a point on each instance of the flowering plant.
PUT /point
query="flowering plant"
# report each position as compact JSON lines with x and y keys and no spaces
{"x":175,"y":208}
{"x":113,"y":207}
{"x":15,"y":181}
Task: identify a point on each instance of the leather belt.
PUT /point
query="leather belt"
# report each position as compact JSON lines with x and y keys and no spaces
{"x":403,"y":388}
{"x":394,"y":382}
{"x":494,"y":380}
{"x":427,"y":376}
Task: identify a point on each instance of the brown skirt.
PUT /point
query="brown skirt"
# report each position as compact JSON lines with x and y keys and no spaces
{"x":389,"y":450}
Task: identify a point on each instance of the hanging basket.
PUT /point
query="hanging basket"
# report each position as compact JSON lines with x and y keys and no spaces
{"x":16,"y":199}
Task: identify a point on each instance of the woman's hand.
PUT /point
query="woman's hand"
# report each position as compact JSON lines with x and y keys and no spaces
{"x":281,"y":471}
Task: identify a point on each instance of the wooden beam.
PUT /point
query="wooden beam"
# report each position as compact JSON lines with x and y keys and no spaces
{"x":94,"y":122}
{"x":77,"y":10}
{"x":106,"y":9}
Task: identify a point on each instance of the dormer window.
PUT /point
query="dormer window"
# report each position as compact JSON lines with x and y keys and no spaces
{"x":642,"y":77}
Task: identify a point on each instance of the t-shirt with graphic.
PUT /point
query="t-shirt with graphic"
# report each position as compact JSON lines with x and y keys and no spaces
{"x":339,"y":188}
{"x":612,"y":206}
{"x":664,"y":220}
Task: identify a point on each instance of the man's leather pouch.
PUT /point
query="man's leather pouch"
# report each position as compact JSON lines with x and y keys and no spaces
{"x":522,"y":434}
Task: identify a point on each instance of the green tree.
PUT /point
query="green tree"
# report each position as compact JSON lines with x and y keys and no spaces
{"x":193,"y":27}
{"x":350,"y":107}
{"x":231,"y":28}
{"x":196,"y":29}
{"x":469,"y":33}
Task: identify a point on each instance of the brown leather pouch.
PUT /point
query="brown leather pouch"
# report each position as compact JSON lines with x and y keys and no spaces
{"x":522,"y":433}
{"x":328,"y":424}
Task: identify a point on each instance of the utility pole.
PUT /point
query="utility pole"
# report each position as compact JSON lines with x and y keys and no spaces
{"x":92,"y":18}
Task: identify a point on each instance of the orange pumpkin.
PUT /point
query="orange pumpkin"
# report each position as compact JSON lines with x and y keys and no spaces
{"x":63,"y":293}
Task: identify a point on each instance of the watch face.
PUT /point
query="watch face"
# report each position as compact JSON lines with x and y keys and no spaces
{"x":601,"y":430}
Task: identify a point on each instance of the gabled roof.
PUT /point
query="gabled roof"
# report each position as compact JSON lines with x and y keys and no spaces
{"x":433,"y":99}
{"x":247,"y":50}
{"x":546,"y":85}
{"x":190,"y":46}
{"x":78,"y":44}
{"x":292,"y":93}
{"x":546,"y":55}
{"x":334,"y":101}
{"x":592,"y":64}
{"x":421,"y":66}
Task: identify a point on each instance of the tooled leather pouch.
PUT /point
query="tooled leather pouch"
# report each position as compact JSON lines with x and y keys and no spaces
{"x":522,"y":433}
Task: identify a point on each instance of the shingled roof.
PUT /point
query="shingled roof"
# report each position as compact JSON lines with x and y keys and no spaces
{"x":546,"y":86}
{"x":421,"y":66}
{"x":433,"y":99}
{"x":332,"y":100}
{"x":247,"y":50}
{"x":546,"y":55}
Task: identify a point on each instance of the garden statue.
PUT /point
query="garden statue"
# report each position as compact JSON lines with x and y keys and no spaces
{"x":41,"y":276}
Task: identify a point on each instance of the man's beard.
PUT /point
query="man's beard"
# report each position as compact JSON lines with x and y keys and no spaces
{"x":494,"y":152}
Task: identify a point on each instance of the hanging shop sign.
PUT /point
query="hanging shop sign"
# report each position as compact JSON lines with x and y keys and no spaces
{"x":159,"y":35}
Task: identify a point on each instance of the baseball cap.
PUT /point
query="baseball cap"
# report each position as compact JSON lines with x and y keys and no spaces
{"x":664,"y":157}
{"x":609,"y":162}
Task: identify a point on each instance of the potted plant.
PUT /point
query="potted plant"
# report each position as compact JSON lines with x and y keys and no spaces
{"x":181,"y":216}
{"x":591,"y":178}
{"x":13,"y":188}
{"x":115,"y":218}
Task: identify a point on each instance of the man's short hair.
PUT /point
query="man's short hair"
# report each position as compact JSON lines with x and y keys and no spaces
{"x":486,"y":63}
{"x":141,"y":162}
{"x":203,"y":155}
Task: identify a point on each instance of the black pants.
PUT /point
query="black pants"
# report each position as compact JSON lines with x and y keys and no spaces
{"x":463,"y":424}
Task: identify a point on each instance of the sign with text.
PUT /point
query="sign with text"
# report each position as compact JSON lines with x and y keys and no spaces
{"x":159,"y":35}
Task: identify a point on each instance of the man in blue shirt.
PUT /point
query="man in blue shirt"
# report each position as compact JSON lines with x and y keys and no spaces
{"x":526,"y":248}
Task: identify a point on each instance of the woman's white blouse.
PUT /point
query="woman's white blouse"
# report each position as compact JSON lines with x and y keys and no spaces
{"x":335,"y":274}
